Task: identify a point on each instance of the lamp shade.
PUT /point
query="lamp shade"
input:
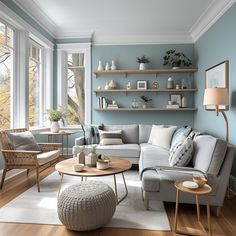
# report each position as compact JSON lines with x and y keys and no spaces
{"x":216,"y":97}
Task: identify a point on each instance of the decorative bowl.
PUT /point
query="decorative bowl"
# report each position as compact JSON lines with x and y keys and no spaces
{"x":103,"y":164}
{"x":200,"y":180}
{"x":78,"y":167}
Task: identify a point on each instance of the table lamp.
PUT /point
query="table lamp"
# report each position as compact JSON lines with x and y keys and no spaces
{"x":218,"y":97}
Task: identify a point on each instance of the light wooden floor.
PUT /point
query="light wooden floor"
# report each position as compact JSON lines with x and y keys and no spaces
{"x":223,"y":225}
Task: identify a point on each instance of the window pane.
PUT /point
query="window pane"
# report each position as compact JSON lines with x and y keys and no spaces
{"x":75,"y":88}
{"x":34,"y":88}
{"x":6,"y":67}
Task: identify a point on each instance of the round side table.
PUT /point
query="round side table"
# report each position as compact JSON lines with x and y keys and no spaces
{"x":205,"y":190}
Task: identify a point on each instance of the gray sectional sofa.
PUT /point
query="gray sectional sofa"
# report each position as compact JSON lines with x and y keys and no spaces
{"x":211,"y":156}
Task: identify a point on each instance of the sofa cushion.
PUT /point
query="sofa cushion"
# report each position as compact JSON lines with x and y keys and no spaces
{"x":204,"y":146}
{"x":124,"y":150}
{"x":144,"y":133}
{"x":110,"y":137}
{"x":178,"y":134}
{"x":92,"y":134}
{"x":181,"y":152}
{"x":46,"y":157}
{"x":129,"y":132}
{"x":23,"y":141}
{"x":161,"y":136}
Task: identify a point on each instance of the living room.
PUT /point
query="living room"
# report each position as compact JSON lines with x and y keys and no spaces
{"x":106,"y":69}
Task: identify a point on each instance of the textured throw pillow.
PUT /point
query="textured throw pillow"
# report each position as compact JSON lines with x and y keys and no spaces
{"x":92,"y":134}
{"x":110,"y":137}
{"x":161,"y":136}
{"x":23,"y":141}
{"x":181,"y":153}
{"x":178,"y":134}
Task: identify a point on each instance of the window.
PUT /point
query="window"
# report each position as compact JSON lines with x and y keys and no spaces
{"x":75,"y":88}
{"x":6,"y":75}
{"x":35,"y":85}
{"x":74,"y":82}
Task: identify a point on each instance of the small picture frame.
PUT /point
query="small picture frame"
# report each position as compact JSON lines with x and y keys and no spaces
{"x":141,"y":84}
{"x":176,"y":99}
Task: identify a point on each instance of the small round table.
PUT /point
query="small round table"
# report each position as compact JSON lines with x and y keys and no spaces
{"x":117,"y":166}
{"x":205,"y":190}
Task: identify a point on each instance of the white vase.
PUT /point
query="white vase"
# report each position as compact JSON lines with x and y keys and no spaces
{"x":100,"y":67}
{"x":142,"y":66}
{"x":54,"y":127}
{"x":107,"y":67}
{"x":112,"y":84}
{"x":91,"y":159}
{"x":113,"y":66}
{"x":184,"y":102}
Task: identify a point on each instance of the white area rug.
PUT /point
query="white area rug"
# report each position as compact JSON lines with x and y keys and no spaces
{"x":41,"y":208}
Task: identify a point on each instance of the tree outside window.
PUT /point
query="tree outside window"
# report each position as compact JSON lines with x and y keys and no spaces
{"x":6,"y":74}
{"x":75,"y":88}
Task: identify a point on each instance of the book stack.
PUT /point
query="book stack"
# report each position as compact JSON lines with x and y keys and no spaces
{"x":174,"y":106}
{"x":112,"y":106}
{"x":102,"y":103}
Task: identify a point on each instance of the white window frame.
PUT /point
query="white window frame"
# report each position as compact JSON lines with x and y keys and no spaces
{"x":23,"y":32}
{"x":62,"y":51}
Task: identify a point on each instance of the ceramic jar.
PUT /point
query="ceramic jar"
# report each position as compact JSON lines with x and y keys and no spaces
{"x":54,"y":127}
{"x":81,"y":157}
{"x":184,"y":102}
{"x":112,"y":84}
{"x":91,"y":159}
{"x":106,"y":86}
{"x":170,"y":83}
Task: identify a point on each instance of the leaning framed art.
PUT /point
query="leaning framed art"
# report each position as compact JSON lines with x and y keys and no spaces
{"x":217,"y":77}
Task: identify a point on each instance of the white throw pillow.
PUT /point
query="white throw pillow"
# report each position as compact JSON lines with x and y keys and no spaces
{"x":181,"y":153}
{"x":161,"y":136}
{"x":110,"y":137}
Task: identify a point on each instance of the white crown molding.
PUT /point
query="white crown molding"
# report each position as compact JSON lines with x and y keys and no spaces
{"x":214,"y":11}
{"x":141,"y":39}
{"x":37,"y":14}
{"x":74,"y":34}
{"x":17,"y":22}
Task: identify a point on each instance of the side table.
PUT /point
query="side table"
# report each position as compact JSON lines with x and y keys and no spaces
{"x":61,"y":133}
{"x":205,"y":190}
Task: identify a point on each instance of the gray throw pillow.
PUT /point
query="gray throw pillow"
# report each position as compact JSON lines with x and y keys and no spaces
{"x":185,"y":130}
{"x":92,"y":134}
{"x":181,"y":153}
{"x":113,"y":137}
{"x":23,"y":141}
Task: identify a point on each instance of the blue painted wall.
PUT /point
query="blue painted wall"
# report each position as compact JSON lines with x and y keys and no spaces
{"x":125,"y":58}
{"x":216,"y":45}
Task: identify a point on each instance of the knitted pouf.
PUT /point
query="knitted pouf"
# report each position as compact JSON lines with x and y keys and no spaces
{"x":86,"y":206}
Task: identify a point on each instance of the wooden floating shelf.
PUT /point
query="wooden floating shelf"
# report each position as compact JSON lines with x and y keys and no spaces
{"x":142,"y":90}
{"x":159,"y":71}
{"x":147,"y":109}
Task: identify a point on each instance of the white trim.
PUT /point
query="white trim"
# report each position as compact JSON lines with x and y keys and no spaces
{"x":141,"y":39}
{"x":62,"y":50}
{"x":214,"y":11}
{"x":19,"y":23}
{"x":74,"y":34}
{"x":37,"y":14}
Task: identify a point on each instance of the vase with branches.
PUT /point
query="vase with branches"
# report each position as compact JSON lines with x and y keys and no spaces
{"x":145,"y":100}
{"x":143,"y":61}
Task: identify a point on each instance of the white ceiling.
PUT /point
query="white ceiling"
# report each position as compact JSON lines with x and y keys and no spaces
{"x":127,"y":21}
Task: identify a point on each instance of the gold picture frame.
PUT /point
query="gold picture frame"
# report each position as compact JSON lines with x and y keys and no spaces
{"x":217,"y":77}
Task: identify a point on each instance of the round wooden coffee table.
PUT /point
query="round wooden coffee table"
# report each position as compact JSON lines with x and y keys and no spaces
{"x":117,"y":166}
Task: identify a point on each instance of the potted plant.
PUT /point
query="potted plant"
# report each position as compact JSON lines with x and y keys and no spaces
{"x":145,"y":100}
{"x":143,"y":61}
{"x":54,"y":116}
{"x":176,"y":59}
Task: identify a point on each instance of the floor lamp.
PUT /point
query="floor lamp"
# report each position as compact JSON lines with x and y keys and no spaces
{"x":218,"y":97}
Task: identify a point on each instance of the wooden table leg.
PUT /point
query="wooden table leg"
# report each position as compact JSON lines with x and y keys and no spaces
{"x":208,"y":215}
{"x":198,"y":209}
{"x":176,"y":210}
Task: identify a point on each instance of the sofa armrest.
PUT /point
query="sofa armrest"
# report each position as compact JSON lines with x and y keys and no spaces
{"x":79,"y":141}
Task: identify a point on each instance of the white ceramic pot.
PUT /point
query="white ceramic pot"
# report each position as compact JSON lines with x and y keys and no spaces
{"x":91,"y":159}
{"x":54,"y":127}
{"x":100,"y":67}
{"x":142,"y":66}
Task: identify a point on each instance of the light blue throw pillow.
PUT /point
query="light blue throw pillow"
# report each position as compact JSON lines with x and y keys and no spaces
{"x":177,"y":136}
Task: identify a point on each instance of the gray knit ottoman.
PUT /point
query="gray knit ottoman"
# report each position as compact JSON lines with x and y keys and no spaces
{"x":86,"y":206}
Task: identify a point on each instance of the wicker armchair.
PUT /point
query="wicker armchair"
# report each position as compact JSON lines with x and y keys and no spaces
{"x":21,"y":159}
